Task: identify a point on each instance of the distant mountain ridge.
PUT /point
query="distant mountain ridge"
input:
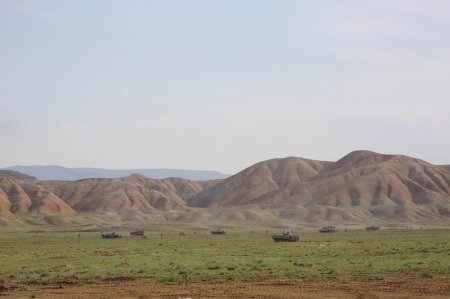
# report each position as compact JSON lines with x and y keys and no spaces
{"x":54,"y":172}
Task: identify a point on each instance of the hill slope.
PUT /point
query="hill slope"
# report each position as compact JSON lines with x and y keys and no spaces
{"x":362,"y":186}
{"x":18,"y":197}
{"x":132,"y":192}
{"x":388,"y":185}
{"x":17,"y":175}
{"x":259,"y":182}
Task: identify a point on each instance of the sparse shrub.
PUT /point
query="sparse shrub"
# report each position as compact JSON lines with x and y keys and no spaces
{"x":302,"y":264}
{"x":213,"y":267}
{"x":166,"y":279}
{"x":427,"y":274}
{"x":255,"y":276}
{"x":231,"y":267}
{"x":256,"y":268}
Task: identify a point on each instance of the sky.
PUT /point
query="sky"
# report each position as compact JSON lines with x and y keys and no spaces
{"x":221,"y":85}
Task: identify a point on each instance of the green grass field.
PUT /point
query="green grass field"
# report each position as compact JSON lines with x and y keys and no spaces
{"x":238,"y":255}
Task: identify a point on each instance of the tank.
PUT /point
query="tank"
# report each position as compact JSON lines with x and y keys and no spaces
{"x":286,"y":236}
{"x":138,"y":233}
{"x":328,"y":229}
{"x":112,"y":235}
{"x":372,"y":227}
{"x":218,"y":231}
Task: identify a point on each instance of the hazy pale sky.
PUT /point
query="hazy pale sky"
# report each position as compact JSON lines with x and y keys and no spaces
{"x":220,"y":85}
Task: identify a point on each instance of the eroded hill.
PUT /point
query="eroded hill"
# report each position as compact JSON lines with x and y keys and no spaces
{"x":385,"y":185}
{"x":18,"y":197}
{"x":362,"y":186}
{"x":132,"y":192}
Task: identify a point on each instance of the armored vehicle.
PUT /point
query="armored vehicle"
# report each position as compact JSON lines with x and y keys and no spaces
{"x":138,"y":233}
{"x":112,"y":235}
{"x":372,"y":227}
{"x":286,"y":236}
{"x":328,"y":229}
{"x":218,"y":231}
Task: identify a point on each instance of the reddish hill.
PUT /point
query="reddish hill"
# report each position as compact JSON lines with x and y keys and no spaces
{"x":20,"y":197}
{"x":363,"y":158}
{"x":259,"y":182}
{"x":17,"y":175}
{"x":362,"y":186}
{"x":362,"y":178}
{"x":132,"y":192}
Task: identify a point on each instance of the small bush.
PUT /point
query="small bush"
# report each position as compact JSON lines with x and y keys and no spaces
{"x":166,"y":279}
{"x":302,"y":264}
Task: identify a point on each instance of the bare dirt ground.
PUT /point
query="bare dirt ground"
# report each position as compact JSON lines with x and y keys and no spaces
{"x":126,"y":287}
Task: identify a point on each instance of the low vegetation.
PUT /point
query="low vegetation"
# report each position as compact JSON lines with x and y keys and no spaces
{"x":240,"y":255}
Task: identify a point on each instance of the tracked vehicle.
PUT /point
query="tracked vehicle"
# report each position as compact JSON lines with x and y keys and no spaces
{"x":218,"y":231}
{"x":112,"y":235}
{"x":286,"y":236}
{"x":328,"y":229}
{"x":372,"y":227}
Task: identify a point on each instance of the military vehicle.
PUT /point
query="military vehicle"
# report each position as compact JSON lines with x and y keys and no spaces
{"x":286,"y":236}
{"x":218,"y":231}
{"x":112,"y":235}
{"x":328,"y":229}
{"x":372,"y":227}
{"x":138,"y":233}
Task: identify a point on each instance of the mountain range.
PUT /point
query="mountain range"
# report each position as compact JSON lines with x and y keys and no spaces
{"x":361,"y":186}
{"x":53,"y":172}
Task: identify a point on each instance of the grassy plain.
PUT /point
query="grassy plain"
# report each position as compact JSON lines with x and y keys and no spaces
{"x":239,"y":255}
